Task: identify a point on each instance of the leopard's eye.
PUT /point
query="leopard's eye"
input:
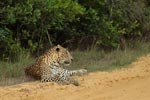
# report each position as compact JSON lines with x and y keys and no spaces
{"x":57,"y":49}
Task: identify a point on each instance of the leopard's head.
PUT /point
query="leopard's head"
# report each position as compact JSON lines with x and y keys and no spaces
{"x":61,"y":56}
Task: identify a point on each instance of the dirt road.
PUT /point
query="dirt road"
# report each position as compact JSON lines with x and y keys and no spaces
{"x":125,"y":84}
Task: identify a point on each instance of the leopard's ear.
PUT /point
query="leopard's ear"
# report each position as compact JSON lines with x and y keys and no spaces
{"x":58,"y":46}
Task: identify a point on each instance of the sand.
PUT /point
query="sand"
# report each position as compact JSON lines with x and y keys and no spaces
{"x":132,"y":83}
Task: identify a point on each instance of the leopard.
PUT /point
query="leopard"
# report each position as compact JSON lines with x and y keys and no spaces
{"x":51,"y":67}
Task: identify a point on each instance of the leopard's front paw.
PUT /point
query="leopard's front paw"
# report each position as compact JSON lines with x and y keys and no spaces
{"x":83,"y":71}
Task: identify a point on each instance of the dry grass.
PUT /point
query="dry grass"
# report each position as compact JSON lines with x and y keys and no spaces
{"x":94,"y":60}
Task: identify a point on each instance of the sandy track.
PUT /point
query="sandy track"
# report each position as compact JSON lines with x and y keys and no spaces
{"x":125,"y":84}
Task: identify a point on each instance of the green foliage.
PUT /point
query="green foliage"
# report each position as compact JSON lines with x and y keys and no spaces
{"x":34,"y":25}
{"x":113,"y":19}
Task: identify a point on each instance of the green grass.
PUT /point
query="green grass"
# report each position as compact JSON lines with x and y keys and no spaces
{"x":92,"y":60}
{"x":11,"y":73}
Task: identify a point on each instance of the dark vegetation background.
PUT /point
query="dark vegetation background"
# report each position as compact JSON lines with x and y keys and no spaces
{"x":35,"y":25}
{"x":102,"y":34}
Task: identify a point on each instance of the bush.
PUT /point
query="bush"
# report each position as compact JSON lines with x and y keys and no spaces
{"x":33,"y":24}
{"x":36,"y":24}
{"x":113,"y":20}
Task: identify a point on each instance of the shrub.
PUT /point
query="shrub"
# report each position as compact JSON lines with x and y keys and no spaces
{"x":36,"y":24}
{"x":33,"y":24}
